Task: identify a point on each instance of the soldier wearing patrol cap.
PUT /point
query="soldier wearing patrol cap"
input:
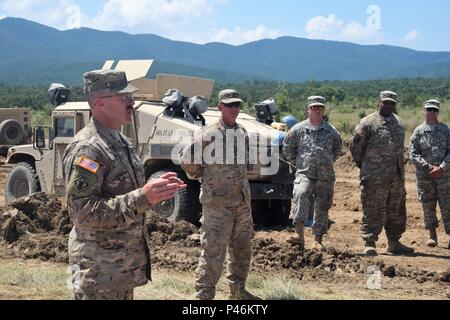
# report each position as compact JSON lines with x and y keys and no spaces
{"x":312,"y":146}
{"x":227,"y":223}
{"x":377,"y":148}
{"x":107,"y":196}
{"x":430,"y":153}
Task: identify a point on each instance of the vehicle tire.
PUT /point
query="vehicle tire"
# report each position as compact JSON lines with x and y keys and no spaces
{"x":22,"y":181}
{"x":185,"y":205}
{"x":11,"y":132}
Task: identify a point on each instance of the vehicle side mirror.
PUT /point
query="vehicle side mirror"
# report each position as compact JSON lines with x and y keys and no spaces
{"x":40,"y":136}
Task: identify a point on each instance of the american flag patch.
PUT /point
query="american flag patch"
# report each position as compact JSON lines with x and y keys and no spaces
{"x":89,"y":165}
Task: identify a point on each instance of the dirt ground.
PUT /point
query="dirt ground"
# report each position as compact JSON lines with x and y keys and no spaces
{"x":37,"y":227}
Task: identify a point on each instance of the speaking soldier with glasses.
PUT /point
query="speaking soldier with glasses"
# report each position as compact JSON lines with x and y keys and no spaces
{"x":107,"y":196}
{"x":430,"y":153}
{"x":218,"y":157}
{"x":312,"y":146}
{"x":377,"y":147}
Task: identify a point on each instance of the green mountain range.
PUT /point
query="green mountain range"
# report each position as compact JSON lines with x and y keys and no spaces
{"x":32,"y":53}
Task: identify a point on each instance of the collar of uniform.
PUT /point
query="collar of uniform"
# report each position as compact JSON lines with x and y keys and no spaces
{"x":227,"y":127}
{"x":386,"y":120}
{"x":430,"y":127}
{"x":108,"y":135}
{"x":310,"y":126}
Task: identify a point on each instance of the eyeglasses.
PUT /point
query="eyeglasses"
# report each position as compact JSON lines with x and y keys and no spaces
{"x":125,"y":97}
{"x":389,"y":103}
{"x":433,"y":110}
{"x":236,"y":105}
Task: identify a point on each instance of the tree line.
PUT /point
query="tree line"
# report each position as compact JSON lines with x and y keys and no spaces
{"x":290,"y":97}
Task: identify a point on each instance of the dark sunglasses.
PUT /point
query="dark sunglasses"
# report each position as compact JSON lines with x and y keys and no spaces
{"x":433,"y":110}
{"x":126,"y":97}
{"x":389,"y":103}
{"x":317,"y":107}
{"x":236,"y":105}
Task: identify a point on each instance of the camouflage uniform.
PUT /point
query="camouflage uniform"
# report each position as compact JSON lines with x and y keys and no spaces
{"x":377,"y":148}
{"x":227,"y":220}
{"x":313,"y":152}
{"x":115,"y":294}
{"x":108,"y":245}
{"x":430,"y":146}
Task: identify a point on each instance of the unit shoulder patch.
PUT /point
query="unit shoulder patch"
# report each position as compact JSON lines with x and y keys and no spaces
{"x":82,"y":182}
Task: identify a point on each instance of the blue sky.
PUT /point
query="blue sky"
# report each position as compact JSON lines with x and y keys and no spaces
{"x":420,"y":24}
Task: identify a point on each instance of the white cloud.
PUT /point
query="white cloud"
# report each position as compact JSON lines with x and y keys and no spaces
{"x":134,"y":16}
{"x":188,"y":20}
{"x":332,"y":28}
{"x":53,"y":13}
{"x":239,"y":36}
{"x":120,"y":14}
{"x":412,"y":36}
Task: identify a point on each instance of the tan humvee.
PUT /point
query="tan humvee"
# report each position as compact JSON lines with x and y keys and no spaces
{"x":14,"y":126}
{"x":156,"y":133}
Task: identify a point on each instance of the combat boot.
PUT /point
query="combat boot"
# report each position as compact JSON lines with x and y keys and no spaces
{"x":299,"y":237}
{"x":433,"y":242}
{"x":205,"y":294}
{"x":395,"y":247}
{"x":370,"y":249}
{"x":317,"y":245}
{"x":239,"y":293}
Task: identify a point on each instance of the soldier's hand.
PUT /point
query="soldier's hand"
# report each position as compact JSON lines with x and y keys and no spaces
{"x":163,"y":188}
{"x":436,"y":173}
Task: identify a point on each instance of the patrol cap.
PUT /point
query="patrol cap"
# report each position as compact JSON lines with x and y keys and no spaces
{"x":432,"y":104}
{"x":316,"y":101}
{"x":229,"y":96}
{"x":389,"y":96}
{"x":107,"y":80}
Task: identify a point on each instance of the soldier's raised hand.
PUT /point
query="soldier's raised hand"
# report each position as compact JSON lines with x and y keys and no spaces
{"x":163,"y":188}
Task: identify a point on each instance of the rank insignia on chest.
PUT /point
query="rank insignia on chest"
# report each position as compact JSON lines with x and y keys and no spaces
{"x":88,"y":165}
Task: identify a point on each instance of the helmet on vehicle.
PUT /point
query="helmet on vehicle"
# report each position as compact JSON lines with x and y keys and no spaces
{"x":290,"y":121}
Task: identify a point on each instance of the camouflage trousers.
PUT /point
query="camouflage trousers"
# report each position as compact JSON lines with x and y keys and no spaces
{"x":224,"y":228}
{"x":306,"y":189}
{"x":430,"y":192}
{"x":113,"y":294}
{"x":384,"y":205}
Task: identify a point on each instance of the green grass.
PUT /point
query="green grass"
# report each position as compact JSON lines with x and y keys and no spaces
{"x":36,"y":280}
{"x":22,"y":281}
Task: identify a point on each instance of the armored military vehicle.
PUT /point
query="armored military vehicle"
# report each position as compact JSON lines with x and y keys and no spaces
{"x":157,"y":131}
{"x":15,"y":127}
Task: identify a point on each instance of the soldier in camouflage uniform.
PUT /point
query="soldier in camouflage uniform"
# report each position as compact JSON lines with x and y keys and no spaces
{"x":430,"y":153}
{"x":312,"y":145}
{"x":225,"y":195}
{"x":107,"y":196}
{"x":377,"y":148}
